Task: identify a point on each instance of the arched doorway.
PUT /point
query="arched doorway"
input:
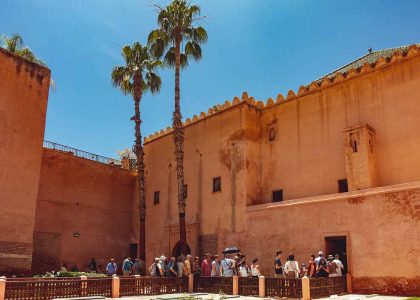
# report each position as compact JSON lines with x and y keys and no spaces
{"x":176,"y":251}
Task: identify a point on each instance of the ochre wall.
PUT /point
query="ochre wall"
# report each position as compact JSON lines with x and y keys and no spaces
{"x":307,"y":157}
{"x":214,"y":147}
{"x":80,"y":195}
{"x":23,"y":103}
{"x":381,"y":225}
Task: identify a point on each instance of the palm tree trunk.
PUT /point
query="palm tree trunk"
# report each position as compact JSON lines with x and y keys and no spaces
{"x":178,"y":135}
{"x":139,"y":151}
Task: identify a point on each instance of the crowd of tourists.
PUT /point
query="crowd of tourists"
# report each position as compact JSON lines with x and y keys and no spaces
{"x":232,"y":264}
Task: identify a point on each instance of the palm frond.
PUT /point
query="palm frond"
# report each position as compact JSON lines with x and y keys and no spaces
{"x":153,"y":82}
{"x":139,"y":62}
{"x":193,"y":50}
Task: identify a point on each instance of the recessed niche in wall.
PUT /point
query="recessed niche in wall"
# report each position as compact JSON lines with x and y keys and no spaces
{"x":156,"y":197}
{"x":272,"y":134}
{"x":217,"y":184}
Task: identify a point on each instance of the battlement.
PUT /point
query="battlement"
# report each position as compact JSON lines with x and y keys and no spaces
{"x":346,"y":73}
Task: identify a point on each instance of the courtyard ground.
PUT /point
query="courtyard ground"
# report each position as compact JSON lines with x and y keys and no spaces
{"x":218,"y":297}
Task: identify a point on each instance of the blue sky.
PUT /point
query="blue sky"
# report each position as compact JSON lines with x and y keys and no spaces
{"x":264,"y":47}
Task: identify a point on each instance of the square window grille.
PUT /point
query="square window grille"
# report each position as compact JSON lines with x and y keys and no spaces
{"x":278,"y":196}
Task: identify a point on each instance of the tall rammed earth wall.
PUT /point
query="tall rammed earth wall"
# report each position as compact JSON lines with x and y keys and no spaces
{"x":305,"y":158}
{"x":81,"y":197}
{"x":23,"y":103}
{"x":214,"y":147}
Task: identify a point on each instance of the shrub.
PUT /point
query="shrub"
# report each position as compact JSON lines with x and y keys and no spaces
{"x":78,"y":274}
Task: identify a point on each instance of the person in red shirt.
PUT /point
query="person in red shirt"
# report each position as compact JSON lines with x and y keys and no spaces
{"x":206,"y":266}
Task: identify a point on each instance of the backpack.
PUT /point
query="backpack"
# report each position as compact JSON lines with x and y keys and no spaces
{"x":332,"y":267}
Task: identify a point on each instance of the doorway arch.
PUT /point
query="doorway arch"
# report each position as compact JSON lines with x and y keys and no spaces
{"x":176,"y":251}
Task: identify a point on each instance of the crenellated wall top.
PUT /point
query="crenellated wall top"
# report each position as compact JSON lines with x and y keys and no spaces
{"x":316,"y":85}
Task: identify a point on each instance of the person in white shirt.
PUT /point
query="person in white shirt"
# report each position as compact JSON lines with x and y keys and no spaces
{"x":243,"y":269}
{"x":339,"y":264}
{"x":255,"y":269}
{"x":215,"y":266}
{"x":291,"y":267}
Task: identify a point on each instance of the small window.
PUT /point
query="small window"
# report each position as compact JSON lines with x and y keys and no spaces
{"x":278,"y":196}
{"x":217,"y":184}
{"x":185,"y":191}
{"x":342,"y":186}
{"x":156,"y":197}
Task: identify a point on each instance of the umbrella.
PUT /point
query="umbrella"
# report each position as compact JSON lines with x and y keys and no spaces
{"x":231,"y":250}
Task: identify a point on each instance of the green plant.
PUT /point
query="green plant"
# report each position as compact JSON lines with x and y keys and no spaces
{"x":78,"y":274}
{"x":178,"y":39}
{"x":134,"y":78}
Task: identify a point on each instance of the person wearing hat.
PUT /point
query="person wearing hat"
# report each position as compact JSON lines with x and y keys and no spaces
{"x":227,"y":265}
{"x":332,"y":266}
{"x":162,"y":266}
{"x":154,"y":268}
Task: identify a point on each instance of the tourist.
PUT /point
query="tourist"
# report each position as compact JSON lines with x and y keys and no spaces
{"x":255,"y":269}
{"x":243,"y":269}
{"x":206,"y":265}
{"x":171,"y":268}
{"x":278,"y":268}
{"x":111,"y":267}
{"x":339,"y":264}
{"x":154,"y":269}
{"x":227,"y":266}
{"x":63,"y":268}
{"x":215,"y":266}
{"x":74,"y":268}
{"x":196,"y":266}
{"x":92,"y":266}
{"x":100,"y":269}
{"x":236,"y":263}
{"x":187,"y":271}
{"x":332,"y":266}
{"x":180,"y":265}
{"x":291,"y":267}
{"x":126,"y":266}
{"x":320,"y":255}
{"x":137,"y":268}
{"x":161,"y":266}
{"x":311,"y":271}
{"x":321,"y":265}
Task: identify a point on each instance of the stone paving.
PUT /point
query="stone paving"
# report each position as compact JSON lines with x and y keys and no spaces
{"x":217,"y":297}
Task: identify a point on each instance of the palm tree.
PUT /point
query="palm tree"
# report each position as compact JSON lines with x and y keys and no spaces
{"x":134,"y":78}
{"x":176,"y":28}
{"x":14,"y":44}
